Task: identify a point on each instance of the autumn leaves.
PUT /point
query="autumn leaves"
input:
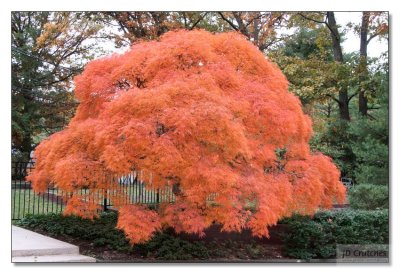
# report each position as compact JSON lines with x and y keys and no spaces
{"x":211,"y":128}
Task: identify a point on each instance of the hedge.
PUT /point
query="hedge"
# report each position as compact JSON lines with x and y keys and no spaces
{"x":318,"y":236}
{"x":102,"y":232}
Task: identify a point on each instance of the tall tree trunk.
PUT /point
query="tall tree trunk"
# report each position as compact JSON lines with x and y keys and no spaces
{"x":26,"y":144}
{"x":256,"y":31}
{"x":338,"y":55}
{"x":363,"y":69}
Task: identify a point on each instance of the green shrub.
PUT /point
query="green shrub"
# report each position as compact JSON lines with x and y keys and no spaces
{"x":368,"y":196}
{"x":253,"y":251}
{"x":102,"y":232}
{"x":169,"y":247}
{"x":317,"y":237}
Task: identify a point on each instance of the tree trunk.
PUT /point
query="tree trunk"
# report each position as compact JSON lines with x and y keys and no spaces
{"x":26,"y":146}
{"x":363,"y":69}
{"x":256,"y":31}
{"x":338,"y":55}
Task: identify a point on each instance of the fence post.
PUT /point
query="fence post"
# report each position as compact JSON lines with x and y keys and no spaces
{"x":105,"y":200}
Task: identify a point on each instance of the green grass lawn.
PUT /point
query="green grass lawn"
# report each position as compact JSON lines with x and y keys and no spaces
{"x":139,"y":194}
{"x":25,"y":201}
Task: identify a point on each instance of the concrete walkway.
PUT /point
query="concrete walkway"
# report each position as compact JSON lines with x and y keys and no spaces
{"x":28,"y":246}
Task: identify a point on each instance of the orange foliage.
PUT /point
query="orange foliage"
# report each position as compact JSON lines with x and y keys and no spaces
{"x":78,"y":206}
{"x":138,"y":222}
{"x":206,"y":112}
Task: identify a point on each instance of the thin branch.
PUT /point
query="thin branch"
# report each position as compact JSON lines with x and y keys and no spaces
{"x":320,"y":22}
{"x":252,"y":20}
{"x":372,"y":37}
{"x":240,"y":22}
{"x":228,"y":21}
{"x":334,"y":98}
{"x":267,"y":45}
{"x":311,"y":19}
{"x":184,"y":20}
{"x":351,"y":96}
{"x":198,"y":21}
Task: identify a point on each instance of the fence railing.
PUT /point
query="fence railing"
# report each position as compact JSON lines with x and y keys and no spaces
{"x":24,"y":200}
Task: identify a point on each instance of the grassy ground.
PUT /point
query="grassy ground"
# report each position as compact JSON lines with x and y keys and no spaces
{"x":25,"y":201}
{"x":139,"y":194}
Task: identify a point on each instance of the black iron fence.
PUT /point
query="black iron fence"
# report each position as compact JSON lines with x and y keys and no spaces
{"x":133,"y":189}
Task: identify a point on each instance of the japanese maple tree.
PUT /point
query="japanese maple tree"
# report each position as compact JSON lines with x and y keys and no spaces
{"x":205,"y":114}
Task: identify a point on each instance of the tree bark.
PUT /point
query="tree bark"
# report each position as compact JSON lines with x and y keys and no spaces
{"x":26,"y":146}
{"x":363,"y":69}
{"x":338,"y":55}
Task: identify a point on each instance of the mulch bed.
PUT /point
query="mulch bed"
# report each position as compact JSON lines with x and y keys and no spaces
{"x":229,"y":250}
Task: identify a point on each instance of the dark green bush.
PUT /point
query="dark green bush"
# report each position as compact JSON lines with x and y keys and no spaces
{"x":317,"y":237}
{"x":102,"y":232}
{"x":368,"y":196}
{"x":169,"y":247}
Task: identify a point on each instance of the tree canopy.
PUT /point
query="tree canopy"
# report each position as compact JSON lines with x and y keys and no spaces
{"x":206,"y":114}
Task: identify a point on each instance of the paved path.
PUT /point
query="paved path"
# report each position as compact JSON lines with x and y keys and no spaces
{"x":28,"y":246}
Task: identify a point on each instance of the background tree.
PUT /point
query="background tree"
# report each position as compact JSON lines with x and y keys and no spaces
{"x":136,"y":26}
{"x":307,"y":59}
{"x":48,"y":49}
{"x":373,"y":24}
{"x":370,"y":143}
{"x":261,"y":28}
{"x":208,"y":116}
{"x":328,"y":20}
